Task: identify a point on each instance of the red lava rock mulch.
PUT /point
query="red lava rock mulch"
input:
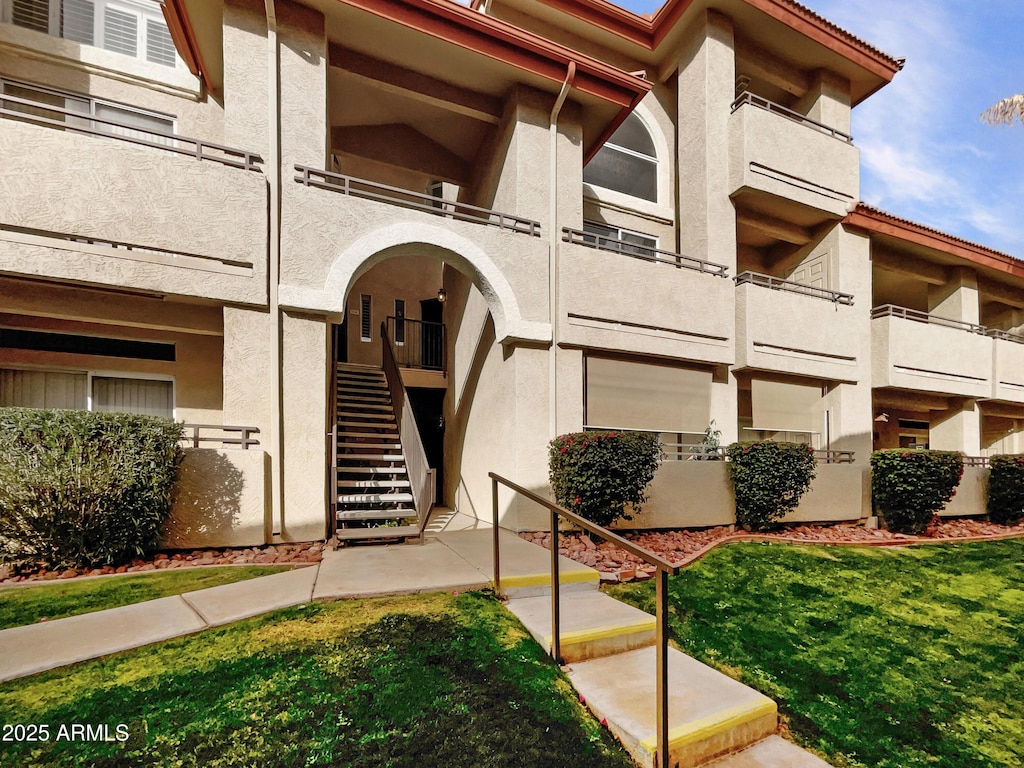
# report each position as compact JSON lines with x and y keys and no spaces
{"x":685,"y":546}
{"x":273,"y":554}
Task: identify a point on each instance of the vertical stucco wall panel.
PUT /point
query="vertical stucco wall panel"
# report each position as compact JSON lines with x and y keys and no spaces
{"x":220,"y":501}
{"x":970,"y":496}
{"x":247,"y":369}
{"x":304,"y":392}
{"x":246,"y":100}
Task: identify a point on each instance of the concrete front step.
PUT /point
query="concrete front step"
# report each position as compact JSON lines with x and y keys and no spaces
{"x":393,"y":532}
{"x":710,"y":714}
{"x":773,"y":752}
{"x":592,"y":624}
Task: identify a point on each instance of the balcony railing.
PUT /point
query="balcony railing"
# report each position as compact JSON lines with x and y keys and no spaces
{"x":371,"y":190}
{"x":418,"y":344}
{"x":891,"y":310}
{"x":592,"y":240}
{"x":232,"y":437}
{"x":995,"y":333}
{"x":762,"y":103}
{"x":122,"y":131}
{"x":777,"y":284}
{"x":975,"y":461}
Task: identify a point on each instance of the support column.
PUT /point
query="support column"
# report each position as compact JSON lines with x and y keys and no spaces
{"x":827,"y":101}
{"x":958,"y":429}
{"x":958,"y":298}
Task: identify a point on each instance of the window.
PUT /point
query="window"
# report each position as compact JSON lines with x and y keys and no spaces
{"x":627,"y":162}
{"x":620,"y":239}
{"x":135,"y":28}
{"x":131,"y":122}
{"x":366,"y":318}
{"x":84,"y":391}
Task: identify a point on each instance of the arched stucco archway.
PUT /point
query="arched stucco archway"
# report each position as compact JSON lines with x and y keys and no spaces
{"x":407,"y":239}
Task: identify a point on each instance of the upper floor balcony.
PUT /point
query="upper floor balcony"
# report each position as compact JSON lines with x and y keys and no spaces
{"x":90,"y":197}
{"x":790,"y":327}
{"x":777,"y":152}
{"x":1008,"y":351}
{"x":917,"y":350}
{"x":624,"y":296}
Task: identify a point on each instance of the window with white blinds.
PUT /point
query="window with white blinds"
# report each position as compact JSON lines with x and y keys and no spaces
{"x":70,"y":389}
{"x":133,"y":27}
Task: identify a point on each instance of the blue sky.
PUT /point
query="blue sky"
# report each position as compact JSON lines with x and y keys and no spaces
{"x":925,"y":155}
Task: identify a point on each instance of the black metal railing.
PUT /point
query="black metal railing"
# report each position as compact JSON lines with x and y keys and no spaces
{"x":778,"y":284}
{"x":645,"y":253}
{"x":371,"y":190}
{"x":762,"y":103}
{"x":231,"y":437}
{"x":663,"y":567}
{"x":975,"y":461}
{"x":418,"y":344}
{"x":92,"y":125}
{"x":891,"y":310}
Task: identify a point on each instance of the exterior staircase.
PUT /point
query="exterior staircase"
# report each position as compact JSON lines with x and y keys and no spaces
{"x":373,"y":492}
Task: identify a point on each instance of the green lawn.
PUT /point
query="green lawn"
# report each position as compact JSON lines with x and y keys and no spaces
{"x":436,"y":680}
{"x":899,"y":658}
{"x":57,"y":600}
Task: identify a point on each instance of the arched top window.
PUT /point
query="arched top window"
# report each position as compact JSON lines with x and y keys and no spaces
{"x":627,"y":163}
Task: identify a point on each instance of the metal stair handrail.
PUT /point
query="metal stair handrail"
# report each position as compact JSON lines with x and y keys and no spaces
{"x":421,"y":476}
{"x":664,"y":570}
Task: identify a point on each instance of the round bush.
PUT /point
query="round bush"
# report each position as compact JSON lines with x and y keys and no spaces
{"x":79,"y":488}
{"x":909,"y":487}
{"x":768,"y":480}
{"x":1006,"y":490}
{"x":598,"y":475}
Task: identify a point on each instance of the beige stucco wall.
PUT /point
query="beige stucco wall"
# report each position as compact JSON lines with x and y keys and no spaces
{"x":970,"y":498}
{"x":771,"y":153}
{"x":1008,"y":382}
{"x":686,"y":313}
{"x":142,"y":196}
{"x":220,"y":500}
{"x":933,"y":358}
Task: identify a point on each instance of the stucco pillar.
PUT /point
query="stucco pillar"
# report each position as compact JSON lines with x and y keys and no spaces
{"x":958,"y":298}
{"x":724,"y":405}
{"x":570,"y":391}
{"x":304,"y":381}
{"x":522,"y":184}
{"x":849,"y":421}
{"x":958,"y":429}
{"x":706,"y":89}
{"x":303,"y":72}
{"x":245,"y":76}
{"x":827,"y":101}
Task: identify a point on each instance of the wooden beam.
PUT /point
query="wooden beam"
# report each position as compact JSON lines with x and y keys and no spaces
{"x":777,"y":228}
{"x":893,"y":261}
{"x":412,"y":85}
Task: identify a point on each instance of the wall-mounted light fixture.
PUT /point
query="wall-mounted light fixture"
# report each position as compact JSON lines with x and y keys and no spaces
{"x":883,"y":417}
{"x":442,"y":294}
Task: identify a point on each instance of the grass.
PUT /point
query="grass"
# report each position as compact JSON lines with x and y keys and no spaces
{"x":436,"y":680}
{"x":895,"y":658}
{"x":58,"y":600}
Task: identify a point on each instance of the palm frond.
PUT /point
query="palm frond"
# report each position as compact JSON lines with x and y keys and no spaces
{"x":1005,"y":111}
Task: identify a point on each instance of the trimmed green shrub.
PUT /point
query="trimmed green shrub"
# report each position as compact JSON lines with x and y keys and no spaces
{"x":909,"y":487}
{"x":598,"y":475}
{"x":768,"y":480}
{"x":1006,"y":489}
{"x":80,"y":488}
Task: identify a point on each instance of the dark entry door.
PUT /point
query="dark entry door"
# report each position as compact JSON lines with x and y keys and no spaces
{"x":432,"y":333}
{"x":428,"y":408}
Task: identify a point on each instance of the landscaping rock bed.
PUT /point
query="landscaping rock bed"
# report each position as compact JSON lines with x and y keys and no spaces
{"x":684,"y":546}
{"x":272,"y":554}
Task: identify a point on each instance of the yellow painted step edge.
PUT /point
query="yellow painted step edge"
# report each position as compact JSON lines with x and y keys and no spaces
{"x":601,"y":633}
{"x":539,"y":579}
{"x":712,"y":725}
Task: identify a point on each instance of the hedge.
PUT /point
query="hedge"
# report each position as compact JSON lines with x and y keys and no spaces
{"x":602,"y":476}
{"x":768,"y":480}
{"x":80,"y":488}
{"x":1006,"y":489}
{"x":909,"y":487}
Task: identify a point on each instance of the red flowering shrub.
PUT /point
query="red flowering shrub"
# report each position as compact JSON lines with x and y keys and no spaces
{"x":602,"y":476}
{"x":909,"y":487}
{"x":768,"y":480}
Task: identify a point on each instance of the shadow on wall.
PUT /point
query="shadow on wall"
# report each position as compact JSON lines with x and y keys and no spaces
{"x":217,"y":503}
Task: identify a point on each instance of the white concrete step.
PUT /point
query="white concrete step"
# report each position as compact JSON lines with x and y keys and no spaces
{"x":346,"y":515}
{"x":592,"y":624}
{"x":710,"y":714}
{"x":367,"y":435}
{"x":374,"y":498}
{"x":393,"y":532}
{"x":361,"y":446}
{"x":383,"y":399}
{"x":773,"y":752}
{"x":368,"y":417}
{"x":373,"y":470}
{"x":366,"y":407}
{"x":373,"y":483}
{"x":375,"y":457}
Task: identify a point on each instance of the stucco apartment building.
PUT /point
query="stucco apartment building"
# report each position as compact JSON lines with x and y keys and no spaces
{"x":506,"y":221}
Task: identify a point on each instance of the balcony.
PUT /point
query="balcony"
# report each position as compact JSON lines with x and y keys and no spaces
{"x":1008,"y":382}
{"x":92,"y":200}
{"x":799,"y":329}
{"x":777,"y":152}
{"x":916,"y":350}
{"x":622,"y":296}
